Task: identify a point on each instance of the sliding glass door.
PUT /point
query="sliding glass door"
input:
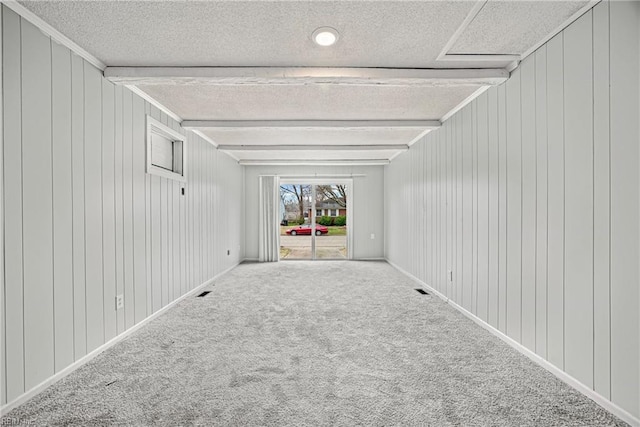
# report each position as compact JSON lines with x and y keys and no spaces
{"x":313,"y":220}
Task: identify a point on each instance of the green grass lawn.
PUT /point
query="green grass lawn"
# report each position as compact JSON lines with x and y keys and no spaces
{"x":333,"y":230}
{"x":337,"y":231}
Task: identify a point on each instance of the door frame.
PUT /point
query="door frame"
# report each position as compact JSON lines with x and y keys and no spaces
{"x":313,"y":182}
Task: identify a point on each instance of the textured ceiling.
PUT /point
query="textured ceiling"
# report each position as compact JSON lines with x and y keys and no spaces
{"x":374,"y":34}
{"x":257,"y":33}
{"x":512,"y":27}
{"x":319,"y":102}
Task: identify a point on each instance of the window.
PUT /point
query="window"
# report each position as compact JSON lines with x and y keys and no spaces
{"x":318,"y":212}
{"x":165,"y":151}
{"x":334,"y":212}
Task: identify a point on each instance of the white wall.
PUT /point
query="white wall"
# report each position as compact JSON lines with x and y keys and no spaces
{"x":530,"y":196}
{"x":83,"y":220}
{"x":368,"y":205}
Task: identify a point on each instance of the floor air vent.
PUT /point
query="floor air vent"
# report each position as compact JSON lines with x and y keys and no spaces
{"x":204,"y":294}
{"x":422,"y":291}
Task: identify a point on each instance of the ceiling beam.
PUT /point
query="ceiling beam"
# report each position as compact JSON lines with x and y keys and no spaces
{"x":312,"y":147}
{"x":233,"y":76}
{"x":310,"y":124}
{"x":286,"y":162}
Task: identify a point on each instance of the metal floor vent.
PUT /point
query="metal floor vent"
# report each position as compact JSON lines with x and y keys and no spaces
{"x":422,"y":291}
{"x":204,"y":294}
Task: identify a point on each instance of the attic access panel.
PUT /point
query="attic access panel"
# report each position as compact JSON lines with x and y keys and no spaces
{"x":513,"y":27}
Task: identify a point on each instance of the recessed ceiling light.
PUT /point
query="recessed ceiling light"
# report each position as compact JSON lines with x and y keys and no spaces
{"x":325,"y":36}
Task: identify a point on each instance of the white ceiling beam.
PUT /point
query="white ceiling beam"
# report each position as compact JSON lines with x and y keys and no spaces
{"x":233,"y":76}
{"x":314,"y":147}
{"x":312,"y":124}
{"x":287,"y":162}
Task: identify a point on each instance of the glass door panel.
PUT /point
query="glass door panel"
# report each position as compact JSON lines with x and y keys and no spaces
{"x":296,"y":231}
{"x":331,"y":221}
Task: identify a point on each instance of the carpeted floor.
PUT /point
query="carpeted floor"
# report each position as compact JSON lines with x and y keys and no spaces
{"x":312,"y":343}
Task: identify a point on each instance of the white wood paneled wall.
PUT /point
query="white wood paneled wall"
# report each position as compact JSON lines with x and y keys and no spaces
{"x":83,"y":220}
{"x":530,"y":196}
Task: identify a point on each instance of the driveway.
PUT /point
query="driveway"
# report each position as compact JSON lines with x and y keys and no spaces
{"x":299,"y":247}
{"x":321,"y":241}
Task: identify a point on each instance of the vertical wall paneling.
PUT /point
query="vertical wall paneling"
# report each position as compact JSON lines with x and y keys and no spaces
{"x":108,"y":210}
{"x":190,"y":257}
{"x":164,"y":240}
{"x":184,"y":272}
{"x":37,"y":205}
{"x":435,"y":194}
{"x":541,"y":201}
{"x":62,"y":205}
{"x":198,"y":216}
{"x":474,"y":210}
{"x":215,"y":220}
{"x":426,"y":217}
{"x":422,"y":220}
{"x":140,"y":220}
{"x":428,"y":206}
{"x":431,"y":211}
{"x":12,"y":156}
{"x":78,"y":212}
{"x":176,"y":224}
{"x":93,"y":206}
{"x":202,"y":212}
{"x":169,"y":231}
{"x":157,"y":291}
{"x":502,"y":209}
{"x":529,"y":223}
{"x":172,"y":219}
{"x":414,"y":219}
{"x":128,"y":229}
{"x":147,"y":191}
{"x":118,"y":197}
{"x":601,"y":205}
{"x":514,"y":206}
{"x":77,"y":175}
{"x":555,"y":200}
{"x":624,"y":113}
{"x":446,"y":212}
{"x":175,"y":262}
{"x":578,"y":200}
{"x":482,"y":190}
{"x":205,"y":212}
{"x":461,"y":243}
{"x":193,"y":253}
{"x":493,"y":216}
{"x":159,"y":288}
{"x":536,"y":204}
{"x":3,"y":320}
{"x":449,"y":212}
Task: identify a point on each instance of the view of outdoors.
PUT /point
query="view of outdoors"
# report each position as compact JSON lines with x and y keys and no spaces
{"x":300,"y":238}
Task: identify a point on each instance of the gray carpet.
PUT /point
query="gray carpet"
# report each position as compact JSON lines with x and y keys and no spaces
{"x":312,"y":343}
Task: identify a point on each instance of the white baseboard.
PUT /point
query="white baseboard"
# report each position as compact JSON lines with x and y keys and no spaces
{"x":559,"y":373}
{"x":85,"y":359}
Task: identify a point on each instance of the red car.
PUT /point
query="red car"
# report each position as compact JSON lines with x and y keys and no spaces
{"x":306,"y":230}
